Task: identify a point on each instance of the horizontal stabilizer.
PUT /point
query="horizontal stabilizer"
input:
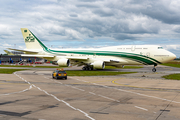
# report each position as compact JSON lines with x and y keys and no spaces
{"x":26,"y":51}
{"x":9,"y":53}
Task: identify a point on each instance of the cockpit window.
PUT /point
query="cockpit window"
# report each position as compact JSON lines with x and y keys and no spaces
{"x":160,"y":47}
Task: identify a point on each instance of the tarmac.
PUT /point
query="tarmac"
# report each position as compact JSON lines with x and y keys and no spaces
{"x":34,"y":95}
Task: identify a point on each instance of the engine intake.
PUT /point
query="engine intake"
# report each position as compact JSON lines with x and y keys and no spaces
{"x":63,"y":62}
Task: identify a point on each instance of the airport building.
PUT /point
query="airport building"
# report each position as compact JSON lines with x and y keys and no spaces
{"x":17,"y":59}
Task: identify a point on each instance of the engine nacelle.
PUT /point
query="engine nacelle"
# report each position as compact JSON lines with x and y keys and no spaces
{"x":63,"y":62}
{"x":99,"y":65}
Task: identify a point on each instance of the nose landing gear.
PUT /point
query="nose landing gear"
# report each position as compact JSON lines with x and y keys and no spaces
{"x":154,"y":69}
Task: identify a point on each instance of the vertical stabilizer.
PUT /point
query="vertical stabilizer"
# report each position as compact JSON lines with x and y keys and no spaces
{"x":31,"y":41}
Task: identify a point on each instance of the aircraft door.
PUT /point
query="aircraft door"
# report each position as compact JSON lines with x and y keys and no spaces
{"x":133,"y":48}
{"x":94,"y":55}
{"x":148,"y":54}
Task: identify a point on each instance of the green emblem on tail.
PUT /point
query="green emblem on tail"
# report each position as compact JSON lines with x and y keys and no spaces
{"x":29,"y":38}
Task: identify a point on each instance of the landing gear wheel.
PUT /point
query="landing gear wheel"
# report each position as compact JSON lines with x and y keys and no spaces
{"x":84,"y":68}
{"x":154,"y":69}
{"x":90,"y":68}
{"x":87,"y":68}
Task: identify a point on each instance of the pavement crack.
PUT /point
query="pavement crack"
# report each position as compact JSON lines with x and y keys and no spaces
{"x":165,"y":109}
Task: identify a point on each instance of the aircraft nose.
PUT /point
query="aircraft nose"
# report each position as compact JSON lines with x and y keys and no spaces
{"x":172,"y":56}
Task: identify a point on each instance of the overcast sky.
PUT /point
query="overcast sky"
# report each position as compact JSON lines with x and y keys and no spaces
{"x":91,"y":23}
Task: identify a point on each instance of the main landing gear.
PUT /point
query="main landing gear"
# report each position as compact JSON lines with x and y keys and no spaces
{"x":154,"y":69}
{"x":87,"y":67}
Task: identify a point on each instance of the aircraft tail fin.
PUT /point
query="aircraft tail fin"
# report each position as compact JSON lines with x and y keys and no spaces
{"x":31,"y":41}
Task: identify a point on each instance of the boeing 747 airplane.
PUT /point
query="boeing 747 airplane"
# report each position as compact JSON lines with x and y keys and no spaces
{"x":98,"y":58}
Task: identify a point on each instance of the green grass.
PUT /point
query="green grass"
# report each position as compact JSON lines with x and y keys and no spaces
{"x":73,"y":73}
{"x":172,"y":76}
{"x":125,"y":67}
{"x":107,"y":67}
{"x":174,"y":63}
{"x":9,"y":71}
{"x":94,"y":73}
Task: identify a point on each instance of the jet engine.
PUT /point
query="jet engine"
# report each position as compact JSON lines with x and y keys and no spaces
{"x":99,"y":65}
{"x":63,"y":62}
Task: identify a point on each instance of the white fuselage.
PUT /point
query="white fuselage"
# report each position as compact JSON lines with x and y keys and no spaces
{"x":124,"y":55}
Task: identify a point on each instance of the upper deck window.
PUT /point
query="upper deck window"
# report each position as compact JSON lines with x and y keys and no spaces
{"x":160,"y":47}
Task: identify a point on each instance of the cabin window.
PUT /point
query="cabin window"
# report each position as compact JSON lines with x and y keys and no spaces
{"x":160,"y":47}
{"x":161,"y":55}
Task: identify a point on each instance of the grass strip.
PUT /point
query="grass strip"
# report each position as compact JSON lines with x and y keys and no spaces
{"x":107,"y":67}
{"x":125,"y":67}
{"x":172,"y":65}
{"x":172,"y":76}
{"x":9,"y":71}
{"x":94,"y":73}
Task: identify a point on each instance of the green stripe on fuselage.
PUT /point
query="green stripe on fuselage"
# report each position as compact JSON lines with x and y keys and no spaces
{"x":136,"y":57}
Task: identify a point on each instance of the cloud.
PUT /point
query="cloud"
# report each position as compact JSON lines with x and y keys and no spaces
{"x":92,"y":22}
{"x":170,"y":47}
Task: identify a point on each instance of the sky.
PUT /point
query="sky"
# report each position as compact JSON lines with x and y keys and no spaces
{"x":91,"y":23}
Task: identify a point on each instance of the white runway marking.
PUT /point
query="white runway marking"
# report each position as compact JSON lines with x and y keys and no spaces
{"x":18,"y":91}
{"x":53,"y":80}
{"x":108,"y":98}
{"x":77,"y":88}
{"x":58,"y":99}
{"x":132,"y":92}
{"x":92,"y":93}
{"x":84,"y":90}
{"x":141,"y":108}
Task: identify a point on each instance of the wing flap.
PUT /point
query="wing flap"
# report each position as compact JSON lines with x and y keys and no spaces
{"x":77,"y":58}
{"x":119,"y":60}
{"x":26,"y":51}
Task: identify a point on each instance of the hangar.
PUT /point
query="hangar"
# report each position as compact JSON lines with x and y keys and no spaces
{"x":17,"y":59}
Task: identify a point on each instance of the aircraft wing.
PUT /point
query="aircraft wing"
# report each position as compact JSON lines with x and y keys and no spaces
{"x":79,"y":61}
{"x":44,"y":56}
{"x":119,"y":60}
{"x":26,"y":51}
{"x":51,"y":56}
{"x":77,"y":58}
